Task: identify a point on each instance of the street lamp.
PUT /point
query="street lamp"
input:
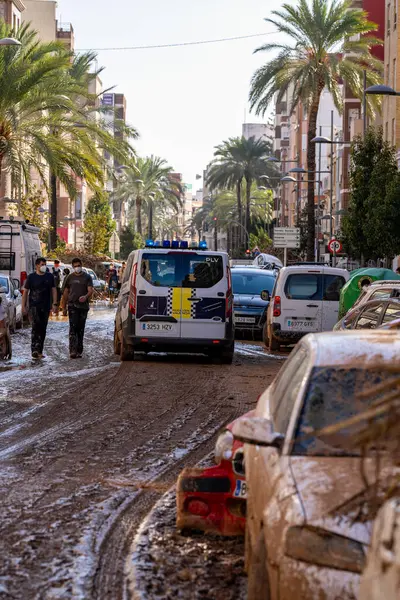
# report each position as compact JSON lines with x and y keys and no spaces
{"x":10,"y":42}
{"x":381,"y":90}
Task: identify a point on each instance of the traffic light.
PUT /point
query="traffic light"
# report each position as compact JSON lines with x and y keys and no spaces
{"x":215,"y":219}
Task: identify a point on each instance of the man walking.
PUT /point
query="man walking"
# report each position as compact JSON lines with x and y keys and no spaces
{"x":78,"y":288}
{"x":56,"y":271}
{"x":41,"y":291}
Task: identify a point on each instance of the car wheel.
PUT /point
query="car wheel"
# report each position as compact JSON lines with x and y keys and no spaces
{"x":127,"y":352}
{"x":117,"y":343}
{"x":274,"y":344}
{"x":5,"y":347}
{"x":257,"y":584}
{"x":225,"y":356}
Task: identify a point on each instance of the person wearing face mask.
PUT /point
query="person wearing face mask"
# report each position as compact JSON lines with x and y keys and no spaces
{"x":56,"y":271}
{"x":40,"y":291}
{"x":78,"y":289}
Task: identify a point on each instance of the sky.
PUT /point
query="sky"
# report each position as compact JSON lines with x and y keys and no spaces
{"x":185,"y":100}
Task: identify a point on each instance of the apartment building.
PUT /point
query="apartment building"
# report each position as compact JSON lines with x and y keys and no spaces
{"x":352,"y":110}
{"x":117,"y":112}
{"x":260,"y":131}
{"x":11,"y":12}
{"x":391,"y":106}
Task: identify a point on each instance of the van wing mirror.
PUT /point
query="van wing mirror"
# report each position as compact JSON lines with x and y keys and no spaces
{"x":16,"y":283}
{"x":257,"y":431}
{"x":265,"y":295}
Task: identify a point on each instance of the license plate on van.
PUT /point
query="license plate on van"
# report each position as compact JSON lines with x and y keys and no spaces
{"x":169,"y":328}
{"x":301,"y":325}
{"x":240,"y":489}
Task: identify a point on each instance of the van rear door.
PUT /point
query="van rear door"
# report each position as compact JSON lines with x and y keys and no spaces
{"x":302,"y":302}
{"x":204,"y":295}
{"x":332,"y":285}
{"x":156,"y":278}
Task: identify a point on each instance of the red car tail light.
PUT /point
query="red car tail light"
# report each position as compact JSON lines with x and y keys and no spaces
{"x":198,"y":507}
{"x":277,"y":306}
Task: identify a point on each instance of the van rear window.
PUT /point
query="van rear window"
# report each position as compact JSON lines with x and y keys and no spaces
{"x":182,"y":270}
{"x":7,"y":261}
{"x":310,"y":286}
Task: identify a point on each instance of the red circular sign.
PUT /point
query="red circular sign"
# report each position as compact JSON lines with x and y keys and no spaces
{"x":335,"y":246}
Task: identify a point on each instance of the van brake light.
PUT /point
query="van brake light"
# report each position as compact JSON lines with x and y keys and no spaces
{"x":133,"y":295}
{"x":229,"y":300}
{"x":277,"y":306}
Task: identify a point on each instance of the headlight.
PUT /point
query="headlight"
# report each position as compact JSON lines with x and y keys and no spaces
{"x":320,"y":547}
{"x":223,"y":447}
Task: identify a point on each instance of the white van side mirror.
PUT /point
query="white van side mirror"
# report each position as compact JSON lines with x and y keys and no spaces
{"x":257,"y":431}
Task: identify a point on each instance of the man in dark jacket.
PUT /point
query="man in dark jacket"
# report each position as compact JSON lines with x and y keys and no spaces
{"x":56,"y":272}
{"x":78,"y":288}
{"x":41,"y":289}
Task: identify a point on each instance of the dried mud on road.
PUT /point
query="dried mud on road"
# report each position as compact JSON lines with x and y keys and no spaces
{"x":85,"y":454}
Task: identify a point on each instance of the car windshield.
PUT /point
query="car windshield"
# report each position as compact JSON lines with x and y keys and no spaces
{"x":251,"y":283}
{"x":335,"y":394}
{"x":175,"y":269}
{"x":4,"y":283}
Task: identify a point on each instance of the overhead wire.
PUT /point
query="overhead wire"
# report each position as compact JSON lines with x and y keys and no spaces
{"x":195,"y":43}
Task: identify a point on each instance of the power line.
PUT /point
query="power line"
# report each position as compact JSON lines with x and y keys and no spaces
{"x":197,"y":43}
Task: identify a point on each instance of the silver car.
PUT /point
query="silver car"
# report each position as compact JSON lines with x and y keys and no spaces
{"x":12,"y":301}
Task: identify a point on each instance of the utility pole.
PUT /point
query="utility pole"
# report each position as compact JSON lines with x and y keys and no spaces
{"x":215,"y":234}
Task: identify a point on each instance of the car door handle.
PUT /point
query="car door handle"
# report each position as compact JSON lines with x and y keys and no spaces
{"x":194,"y":299}
{"x":312,"y":305}
{"x":142,"y":292}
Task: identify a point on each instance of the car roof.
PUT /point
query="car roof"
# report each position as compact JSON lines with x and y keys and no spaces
{"x":389,"y":282}
{"x":358,"y":347}
{"x":159,"y":250}
{"x":252,"y":271}
{"x":312,"y":269}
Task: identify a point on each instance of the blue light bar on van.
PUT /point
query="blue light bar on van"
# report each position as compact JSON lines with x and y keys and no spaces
{"x":184,"y":245}
{"x":157,"y":243}
{"x":166,"y":244}
{"x":203,"y":245}
{"x":175,"y":244}
{"x":149,"y":243}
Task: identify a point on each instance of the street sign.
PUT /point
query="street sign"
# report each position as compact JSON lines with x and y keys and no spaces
{"x":335,"y":247}
{"x":286,"y":237}
{"x":114,"y":245}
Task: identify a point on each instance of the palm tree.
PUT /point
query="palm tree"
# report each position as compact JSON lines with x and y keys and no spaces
{"x":46,"y":120}
{"x":329,"y":42}
{"x":149,"y":183}
{"x":237,"y":160}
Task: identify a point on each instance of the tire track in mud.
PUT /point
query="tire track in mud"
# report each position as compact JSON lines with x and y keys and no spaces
{"x":97,"y":456}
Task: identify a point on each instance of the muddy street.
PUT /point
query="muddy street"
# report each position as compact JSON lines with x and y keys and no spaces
{"x":87,"y":447}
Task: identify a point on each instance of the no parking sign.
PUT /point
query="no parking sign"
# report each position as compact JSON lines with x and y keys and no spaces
{"x":335,"y":247}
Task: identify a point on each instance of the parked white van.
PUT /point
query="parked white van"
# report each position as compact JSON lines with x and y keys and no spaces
{"x":19,"y":248}
{"x":305,"y":299}
{"x":176,"y":299}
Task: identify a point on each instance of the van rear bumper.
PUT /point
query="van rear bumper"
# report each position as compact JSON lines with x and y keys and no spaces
{"x":288,"y":337}
{"x":192,"y":345}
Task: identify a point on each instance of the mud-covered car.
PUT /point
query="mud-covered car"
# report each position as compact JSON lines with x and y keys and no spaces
{"x":298,"y":543}
{"x":213,"y":499}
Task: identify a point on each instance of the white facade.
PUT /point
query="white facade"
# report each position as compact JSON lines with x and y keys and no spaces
{"x":42,"y":16}
{"x":260,"y":131}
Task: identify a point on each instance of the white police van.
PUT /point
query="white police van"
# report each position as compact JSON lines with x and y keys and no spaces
{"x":175,"y":299}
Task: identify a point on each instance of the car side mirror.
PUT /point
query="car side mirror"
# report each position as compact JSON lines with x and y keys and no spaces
{"x":17,"y":293}
{"x":16,"y":284}
{"x":257,"y":431}
{"x":265,"y":295}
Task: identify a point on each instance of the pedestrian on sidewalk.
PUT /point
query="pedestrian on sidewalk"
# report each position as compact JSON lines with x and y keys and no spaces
{"x":56,"y":271}
{"x":78,"y":289}
{"x":40,"y":291}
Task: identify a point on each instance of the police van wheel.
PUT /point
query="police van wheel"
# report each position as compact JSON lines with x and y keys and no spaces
{"x":117,"y":343}
{"x":226,"y":356}
{"x":127,"y":353}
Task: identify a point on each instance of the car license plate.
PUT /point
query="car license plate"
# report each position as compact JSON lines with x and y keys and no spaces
{"x":245,"y":319}
{"x":240,"y":489}
{"x":159,"y":327}
{"x":302,"y":325}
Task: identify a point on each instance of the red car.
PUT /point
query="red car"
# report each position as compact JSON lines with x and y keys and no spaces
{"x":213,"y":499}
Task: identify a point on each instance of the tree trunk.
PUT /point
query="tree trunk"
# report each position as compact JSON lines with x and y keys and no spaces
{"x":248,"y":195}
{"x":139,"y":215}
{"x":239,"y":208}
{"x":312,"y":132}
{"x":53,"y":212}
